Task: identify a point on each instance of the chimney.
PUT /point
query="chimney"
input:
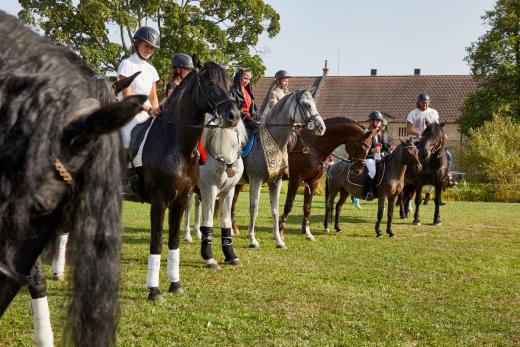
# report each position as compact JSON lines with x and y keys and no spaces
{"x":373,"y":72}
{"x":417,"y":72}
{"x":325,"y":69}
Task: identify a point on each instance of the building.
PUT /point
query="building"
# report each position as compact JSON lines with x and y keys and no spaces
{"x":394,"y":96}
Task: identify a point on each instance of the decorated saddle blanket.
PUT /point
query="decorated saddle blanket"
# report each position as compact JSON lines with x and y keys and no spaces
{"x":275,"y":158}
{"x":137,"y":141}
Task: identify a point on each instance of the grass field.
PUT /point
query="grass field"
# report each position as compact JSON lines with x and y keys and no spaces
{"x":455,"y":284}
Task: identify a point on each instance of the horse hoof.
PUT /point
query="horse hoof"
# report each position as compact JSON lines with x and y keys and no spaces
{"x":338,"y":230}
{"x":379,"y":235}
{"x":155,"y":295}
{"x":213,"y":266}
{"x":189,"y":240}
{"x":391,"y":235}
{"x":437,"y":223}
{"x":310,"y":237}
{"x":417,"y":224}
{"x":175,"y":287}
{"x":58,"y":277}
{"x":234,"y":262}
{"x":254,"y":245}
{"x":281,"y":246}
{"x":327,"y":230}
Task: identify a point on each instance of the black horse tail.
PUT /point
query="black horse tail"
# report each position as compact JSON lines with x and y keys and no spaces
{"x":94,"y":310}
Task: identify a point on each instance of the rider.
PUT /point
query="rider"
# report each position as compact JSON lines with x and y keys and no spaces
{"x":182,"y":65}
{"x":245,"y":100}
{"x":377,"y":149}
{"x":282,"y":87}
{"x":145,"y":40}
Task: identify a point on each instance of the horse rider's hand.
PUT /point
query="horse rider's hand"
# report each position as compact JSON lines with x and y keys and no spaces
{"x":154,"y":111}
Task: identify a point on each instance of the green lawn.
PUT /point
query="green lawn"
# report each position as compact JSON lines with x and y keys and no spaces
{"x":455,"y":284}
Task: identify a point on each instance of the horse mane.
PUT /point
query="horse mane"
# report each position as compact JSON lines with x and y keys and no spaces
{"x":280,"y":105}
{"x":340,"y":118}
{"x":432,"y":137}
{"x":40,"y":85}
{"x":211,"y":136}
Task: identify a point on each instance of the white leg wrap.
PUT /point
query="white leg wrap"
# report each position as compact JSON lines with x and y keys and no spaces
{"x":172,"y":267}
{"x":42,"y":323}
{"x":58,"y":261}
{"x":154,"y":265}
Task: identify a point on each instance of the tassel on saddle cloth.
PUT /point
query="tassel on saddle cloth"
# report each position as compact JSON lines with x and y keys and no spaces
{"x":274,"y":157}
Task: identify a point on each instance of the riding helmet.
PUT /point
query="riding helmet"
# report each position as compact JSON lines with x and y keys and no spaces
{"x":182,"y":60}
{"x":281,"y":74}
{"x":423,"y":97}
{"x":376,"y":115}
{"x":149,"y":35}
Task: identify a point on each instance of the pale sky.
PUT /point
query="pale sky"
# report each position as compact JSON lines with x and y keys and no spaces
{"x":392,"y":36}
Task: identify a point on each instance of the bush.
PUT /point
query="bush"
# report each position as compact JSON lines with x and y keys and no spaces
{"x":491,"y":159}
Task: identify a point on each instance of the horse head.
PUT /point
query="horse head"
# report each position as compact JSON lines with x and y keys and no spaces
{"x":309,"y":115}
{"x":433,"y":140}
{"x":215,"y":87}
{"x":410,"y":155}
{"x":358,"y":152}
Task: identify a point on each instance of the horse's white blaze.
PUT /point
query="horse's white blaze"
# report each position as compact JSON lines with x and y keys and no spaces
{"x":154,"y":265}
{"x":43,"y":336}
{"x":58,"y":260}
{"x":173,"y":265}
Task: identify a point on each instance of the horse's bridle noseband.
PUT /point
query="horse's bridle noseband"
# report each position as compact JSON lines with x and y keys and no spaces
{"x":217,"y":119}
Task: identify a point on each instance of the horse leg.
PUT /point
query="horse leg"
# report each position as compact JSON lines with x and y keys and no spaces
{"x":157,"y":210}
{"x":40,"y":307}
{"x":208,"y":197}
{"x":196,"y":218}
{"x":226,"y":238}
{"x":380,"y":211}
{"x":436,"y":215}
{"x":274,"y":198}
{"x":187,"y":234}
{"x":254,"y":197}
{"x":58,"y":258}
{"x":343,"y":195}
{"x":330,"y":195}
{"x":238,"y":189}
{"x":289,"y":200}
{"x":307,"y":205}
{"x":418,"y":199}
{"x":390,"y":215}
{"x":174,"y":253}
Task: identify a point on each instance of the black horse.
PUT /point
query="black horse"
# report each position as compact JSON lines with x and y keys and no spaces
{"x":59,"y":171}
{"x":170,"y":163}
{"x":434,"y":172}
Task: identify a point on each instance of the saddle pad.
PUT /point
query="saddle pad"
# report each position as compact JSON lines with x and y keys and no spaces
{"x":137,"y":141}
{"x":274,"y":157}
{"x":249,"y":146}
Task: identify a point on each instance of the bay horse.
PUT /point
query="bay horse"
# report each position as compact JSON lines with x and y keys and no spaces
{"x":389,"y":180}
{"x":295,"y":109}
{"x":218,"y":177}
{"x":59,"y":170}
{"x":308,"y":158}
{"x":170,"y":167}
{"x":435,"y":172}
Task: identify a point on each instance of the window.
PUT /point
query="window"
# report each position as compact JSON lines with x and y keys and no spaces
{"x":402,"y":132}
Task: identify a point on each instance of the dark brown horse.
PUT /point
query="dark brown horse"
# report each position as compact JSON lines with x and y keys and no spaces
{"x":389,"y":180}
{"x":170,"y":163}
{"x":435,"y":172}
{"x":59,"y":171}
{"x":308,"y":159}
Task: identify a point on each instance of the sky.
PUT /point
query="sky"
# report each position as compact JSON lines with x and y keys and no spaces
{"x":354,"y":36}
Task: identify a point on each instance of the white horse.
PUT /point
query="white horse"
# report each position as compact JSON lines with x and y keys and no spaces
{"x":218,"y":177}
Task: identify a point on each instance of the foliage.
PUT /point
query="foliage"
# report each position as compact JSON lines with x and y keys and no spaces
{"x":225,"y":31}
{"x":345,"y":289}
{"x":491,"y":155}
{"x":495,"y":63}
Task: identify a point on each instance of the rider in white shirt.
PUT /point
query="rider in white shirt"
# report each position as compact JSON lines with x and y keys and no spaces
{"x":419,"y":117}
{"x":145,"y":40}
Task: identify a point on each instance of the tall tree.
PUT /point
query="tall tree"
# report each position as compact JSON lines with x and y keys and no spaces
{"x":495,"y":63}
{"x":225,"y":31}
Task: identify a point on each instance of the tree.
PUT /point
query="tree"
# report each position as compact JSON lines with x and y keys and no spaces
{"x":495,"y":63}
{"x":225,"y":31}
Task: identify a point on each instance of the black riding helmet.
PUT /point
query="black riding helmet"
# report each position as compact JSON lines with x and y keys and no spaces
{"x":147,"y":34}
{"x":281,"y":74}
{"x":376,"y":115}
{"x":182,"y":60}
{"x":423,"y":97}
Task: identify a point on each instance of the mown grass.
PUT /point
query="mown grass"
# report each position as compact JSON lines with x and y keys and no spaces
{"x":455,"y":284}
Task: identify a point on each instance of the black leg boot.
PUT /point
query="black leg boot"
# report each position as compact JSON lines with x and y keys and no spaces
{"x":205,"y":247}
{"x":368,"y":192}
{"x":227,"y":247}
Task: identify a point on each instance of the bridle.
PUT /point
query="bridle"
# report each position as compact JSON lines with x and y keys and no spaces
{"x":217,"y":119}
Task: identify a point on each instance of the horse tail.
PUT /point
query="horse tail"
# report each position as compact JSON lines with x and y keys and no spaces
{"x":93,"y":312}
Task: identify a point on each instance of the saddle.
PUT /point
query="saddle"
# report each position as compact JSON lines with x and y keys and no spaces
{"x":364,"y":181}
{"x":137,"y":136}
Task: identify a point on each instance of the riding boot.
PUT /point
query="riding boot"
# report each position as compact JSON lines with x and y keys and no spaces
{"x":427,"y":198}
{"x":207,"y":239}
{"x":227,"y":245}
{"x":368,"y":190}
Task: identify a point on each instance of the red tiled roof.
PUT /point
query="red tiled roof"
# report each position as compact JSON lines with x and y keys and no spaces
{"x":394,"y":96}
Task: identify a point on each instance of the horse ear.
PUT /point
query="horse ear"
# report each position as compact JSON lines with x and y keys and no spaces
{"x":119,"y":85}
{"x":86,"y":127}
{"x":442,"y":124}
{"x":312,"y":90}
{"x":196,"y":62}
